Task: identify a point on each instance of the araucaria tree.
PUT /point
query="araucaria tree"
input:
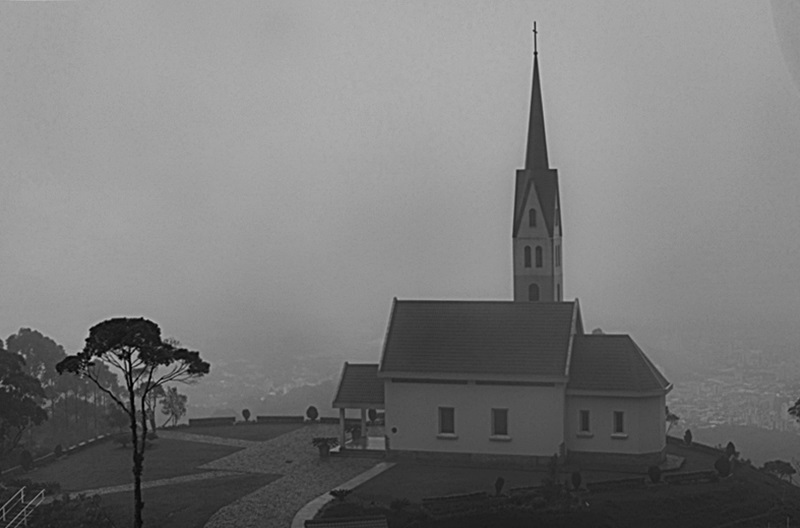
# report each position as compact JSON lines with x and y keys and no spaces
{"x":146,"y":362}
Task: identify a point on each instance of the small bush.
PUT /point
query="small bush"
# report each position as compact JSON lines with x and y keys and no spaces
{"x":340,"y":494}
{"x":312,"y":413}
{"x":687,"y":437}
{"x":26,"y":459}
{"x":246,"y":414}
{"x":654,"y":472}
{"x":498,"y":485}
{"x":123,"y":439}
{"x":58,"y":451}
{"x":576,"y":480}
{"x":152,"y":435}
{"x":723,"y":466}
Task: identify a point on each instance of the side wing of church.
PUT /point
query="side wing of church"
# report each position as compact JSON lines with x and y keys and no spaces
{"x":515,"y":381}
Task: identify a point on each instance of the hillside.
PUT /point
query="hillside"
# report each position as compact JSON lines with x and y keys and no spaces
{"x":755,"y":444}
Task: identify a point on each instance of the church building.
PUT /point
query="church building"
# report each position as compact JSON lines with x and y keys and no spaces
{"x":514,"y":381}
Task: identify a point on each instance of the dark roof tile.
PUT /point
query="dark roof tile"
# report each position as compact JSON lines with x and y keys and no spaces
{"x":359,"y":386}
{"x":478,"y":337}
{"x":612,"y":362}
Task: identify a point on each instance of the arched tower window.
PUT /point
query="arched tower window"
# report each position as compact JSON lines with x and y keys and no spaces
{"x":532,"y":218}
{"x":533,"y":292}
{"x":538,"y":256}
{"x":527,"y":256}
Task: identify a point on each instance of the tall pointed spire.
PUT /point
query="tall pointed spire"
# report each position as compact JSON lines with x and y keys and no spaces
{"x":536,"y":154}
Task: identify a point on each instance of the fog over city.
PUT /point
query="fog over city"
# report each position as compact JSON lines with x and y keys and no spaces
{"x":262,"y":178}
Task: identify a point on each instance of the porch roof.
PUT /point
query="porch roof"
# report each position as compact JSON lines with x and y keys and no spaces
{"x":359,"y":387}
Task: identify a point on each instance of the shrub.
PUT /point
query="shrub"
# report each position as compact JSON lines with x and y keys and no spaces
{"x":26,"y":459}
{"x":122,"y":439}
{"x":246,"y":414}
{"x":312,"y":413}
{"x":152,"y":435}
{"x":576,"y":480}
{"x":723,"y":466}
{"x":340,"y":494}
{"x":687,"y":437}
{"x":330,"y":441}
{"x":399,"y":504}
{"x":58,"y":451}
{"x":655,"y":474}
{"x":498,"y":485}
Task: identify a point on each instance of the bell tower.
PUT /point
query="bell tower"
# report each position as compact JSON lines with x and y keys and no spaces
{"x":536,"y":232}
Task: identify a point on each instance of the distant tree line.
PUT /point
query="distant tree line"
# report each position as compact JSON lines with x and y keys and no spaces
{"x":40,"y":409}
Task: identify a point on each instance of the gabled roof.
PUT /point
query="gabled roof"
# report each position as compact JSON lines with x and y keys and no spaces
{"x":546,"y":184}
{"x":359,"y":387}
{"x":612,"y":363}
{"x":478,"y":337}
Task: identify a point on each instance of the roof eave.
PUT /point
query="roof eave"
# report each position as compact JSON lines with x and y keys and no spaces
{"x":603,"y":393}
{"x":471,"y":376}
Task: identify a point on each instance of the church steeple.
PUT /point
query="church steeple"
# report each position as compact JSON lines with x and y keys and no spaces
{"x":536,"y":156}
{"x":536,"y":231}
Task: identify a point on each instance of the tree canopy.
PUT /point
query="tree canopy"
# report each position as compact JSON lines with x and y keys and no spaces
{"x":20,"y":400}
{"x":145,"y":362}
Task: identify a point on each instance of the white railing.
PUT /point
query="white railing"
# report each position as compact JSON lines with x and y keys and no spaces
{"x":8,"y":507}
{"x":21,"y":517}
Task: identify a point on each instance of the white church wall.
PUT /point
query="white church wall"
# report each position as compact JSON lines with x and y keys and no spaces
{"x":644,"y":427}
{"x":535,"y":418}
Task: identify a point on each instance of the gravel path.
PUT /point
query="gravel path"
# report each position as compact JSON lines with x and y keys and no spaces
{"x":305,"y":477}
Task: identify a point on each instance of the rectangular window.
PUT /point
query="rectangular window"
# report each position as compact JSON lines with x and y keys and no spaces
{"x":619,"y":422}
{"x":447,"y":420}
{"x":499,"y":422}
{"x":585,"y":424}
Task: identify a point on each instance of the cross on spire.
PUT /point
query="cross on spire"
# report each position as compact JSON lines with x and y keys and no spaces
{"x":535,"y":33}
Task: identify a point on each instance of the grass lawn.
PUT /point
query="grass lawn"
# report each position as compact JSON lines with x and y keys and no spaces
{"x":108,"y":464}
{"x":253,"y":431}
{"x":415,"y":481}
{"x":188,"y":505}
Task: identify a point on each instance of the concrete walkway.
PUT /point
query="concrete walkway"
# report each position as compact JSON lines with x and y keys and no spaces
{"x":155,"y":483}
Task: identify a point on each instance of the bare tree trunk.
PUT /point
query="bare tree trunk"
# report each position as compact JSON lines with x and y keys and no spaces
{"x":138,"y":503}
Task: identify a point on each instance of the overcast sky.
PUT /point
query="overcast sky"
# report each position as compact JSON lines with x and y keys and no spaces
{"x":262,"y":178}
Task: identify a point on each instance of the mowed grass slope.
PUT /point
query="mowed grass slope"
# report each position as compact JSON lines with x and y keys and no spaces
{"x":248,"y":431}
{"x":108,"y":464}
{"x":186,"y":505}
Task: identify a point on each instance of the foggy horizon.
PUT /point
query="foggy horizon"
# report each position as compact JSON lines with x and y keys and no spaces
{"x":264,"y":178}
